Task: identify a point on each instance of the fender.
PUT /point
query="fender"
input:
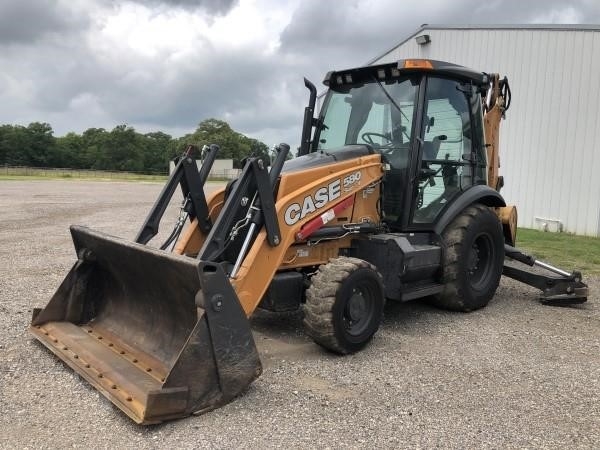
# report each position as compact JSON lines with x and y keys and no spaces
{"x":476,"y":194}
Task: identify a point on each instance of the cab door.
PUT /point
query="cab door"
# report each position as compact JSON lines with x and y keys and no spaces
{"x":452,"y":153}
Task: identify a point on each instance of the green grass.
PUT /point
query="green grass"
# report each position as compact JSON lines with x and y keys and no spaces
{"x":563,"y":250}
{"x":98,"y":177}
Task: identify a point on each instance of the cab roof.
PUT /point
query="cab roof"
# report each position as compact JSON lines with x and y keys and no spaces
{"x":402,"y":68}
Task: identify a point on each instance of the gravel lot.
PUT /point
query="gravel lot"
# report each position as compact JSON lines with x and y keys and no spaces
{"x":515,"y":374}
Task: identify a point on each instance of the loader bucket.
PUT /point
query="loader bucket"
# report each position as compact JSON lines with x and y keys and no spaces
{"x":161,"y":335}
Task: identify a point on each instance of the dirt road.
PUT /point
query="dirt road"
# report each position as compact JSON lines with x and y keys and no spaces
{"x":515,"y":374}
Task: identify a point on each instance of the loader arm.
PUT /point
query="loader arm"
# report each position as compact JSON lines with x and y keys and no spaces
{"x":192,"y":184}
{"x":294,"y":198}
{"x":192,"y":238}
{"x":301,"y":196}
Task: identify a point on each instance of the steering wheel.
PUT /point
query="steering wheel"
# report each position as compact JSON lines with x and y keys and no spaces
{"x":368,"y":138}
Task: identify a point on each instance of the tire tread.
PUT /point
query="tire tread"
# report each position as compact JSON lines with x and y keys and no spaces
{"x":321,"y":298}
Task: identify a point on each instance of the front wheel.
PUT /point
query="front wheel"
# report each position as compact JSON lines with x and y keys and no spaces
{"x":473,"y":260}
{"x":344,"y":304}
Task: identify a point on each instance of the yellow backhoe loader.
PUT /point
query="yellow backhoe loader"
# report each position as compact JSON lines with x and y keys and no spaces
{"x":394,"y":195}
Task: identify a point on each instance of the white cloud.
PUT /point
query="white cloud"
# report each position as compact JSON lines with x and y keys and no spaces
{"x":567,"y":14}
{"x":168,"y":64}
{"x":134,"y":30}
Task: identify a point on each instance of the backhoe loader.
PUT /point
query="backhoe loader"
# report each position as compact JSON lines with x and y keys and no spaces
{"x":394,"y":194}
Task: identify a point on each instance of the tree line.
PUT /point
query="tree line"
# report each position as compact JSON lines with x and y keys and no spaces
{"x":121,"y":148}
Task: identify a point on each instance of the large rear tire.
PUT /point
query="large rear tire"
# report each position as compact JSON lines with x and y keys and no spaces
{"x":473,"y":260}
{"x":344,"y":305}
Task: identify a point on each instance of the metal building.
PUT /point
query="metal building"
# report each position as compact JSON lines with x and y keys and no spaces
{"x":550,"y":142}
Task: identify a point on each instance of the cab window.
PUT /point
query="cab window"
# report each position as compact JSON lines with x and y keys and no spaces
{"x":447,"y":136}
{"x":376,"y":114}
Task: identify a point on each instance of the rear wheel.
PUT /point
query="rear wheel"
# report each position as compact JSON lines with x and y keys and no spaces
{"x":473,"y":260}
{"x":344,"y":305}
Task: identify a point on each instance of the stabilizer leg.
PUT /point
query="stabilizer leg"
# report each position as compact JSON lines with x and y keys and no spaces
{"x":561,"y":290}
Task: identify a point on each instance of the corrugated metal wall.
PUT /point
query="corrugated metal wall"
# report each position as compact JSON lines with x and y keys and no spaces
{"x":550,"y":141}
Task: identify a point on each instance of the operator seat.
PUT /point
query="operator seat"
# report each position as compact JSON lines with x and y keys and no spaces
{"x":431,"y":148}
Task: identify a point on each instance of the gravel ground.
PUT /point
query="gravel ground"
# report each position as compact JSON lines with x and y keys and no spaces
{"x":513,"y":375}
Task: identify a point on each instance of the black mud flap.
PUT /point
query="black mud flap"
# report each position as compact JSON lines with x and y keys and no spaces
{"x":160,"y":335}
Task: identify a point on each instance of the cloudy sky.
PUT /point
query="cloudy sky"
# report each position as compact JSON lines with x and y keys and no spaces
{"x":169,"y":64}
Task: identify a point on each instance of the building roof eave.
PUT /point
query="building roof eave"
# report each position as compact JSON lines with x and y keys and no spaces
{"x":528,"y":26}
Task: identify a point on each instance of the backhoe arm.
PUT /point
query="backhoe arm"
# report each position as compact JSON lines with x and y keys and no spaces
{"x":562,"y":288}
{"x":495,"y":105}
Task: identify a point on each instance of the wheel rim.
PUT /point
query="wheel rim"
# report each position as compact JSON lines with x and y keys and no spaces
{"x":480,"y":261}
{"x":358,"y":311}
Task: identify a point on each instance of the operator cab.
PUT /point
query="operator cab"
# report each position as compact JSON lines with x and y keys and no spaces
{"x":425,"y":119}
